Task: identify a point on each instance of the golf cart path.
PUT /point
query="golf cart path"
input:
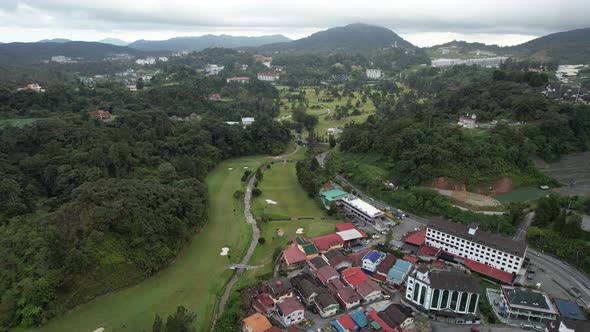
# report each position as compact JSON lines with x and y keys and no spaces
{"x":255,"y":236}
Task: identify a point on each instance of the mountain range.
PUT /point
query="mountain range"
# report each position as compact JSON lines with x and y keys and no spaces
{"x":352,"y":37}
{"x":206,"y":41}
{"x":567,"y":47}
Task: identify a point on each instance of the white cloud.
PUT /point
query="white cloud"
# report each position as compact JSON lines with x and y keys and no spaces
{"x":500,"y":21}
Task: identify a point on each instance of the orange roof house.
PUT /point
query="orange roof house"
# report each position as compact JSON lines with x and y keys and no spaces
{"x":256,"y":323}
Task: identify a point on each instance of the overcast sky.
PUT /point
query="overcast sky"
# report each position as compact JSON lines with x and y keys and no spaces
{"x":424,"y":23}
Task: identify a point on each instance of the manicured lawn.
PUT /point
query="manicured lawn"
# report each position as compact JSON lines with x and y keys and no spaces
{"x":521,"y":195}
{"x":265,"y":253}
{"x":193,"y":280}
{"x":19,"y":123}
{"x":280,"y":185}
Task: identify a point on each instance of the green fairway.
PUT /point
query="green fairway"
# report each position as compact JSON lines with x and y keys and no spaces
{"x":193,"y":280}
{"x":280,"y":186}
{"x":265,"y":253}
{"x":521,"y":195}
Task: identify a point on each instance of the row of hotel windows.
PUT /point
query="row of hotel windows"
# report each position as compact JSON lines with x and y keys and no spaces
{"x":452,"y":238}
{"x":476,"y":255}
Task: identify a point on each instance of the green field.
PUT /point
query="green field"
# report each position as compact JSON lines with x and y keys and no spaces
{"x":193,"y":280}
{"x":521,"y":195}
{"x":280,"y":185}
{"x":19,"y":123}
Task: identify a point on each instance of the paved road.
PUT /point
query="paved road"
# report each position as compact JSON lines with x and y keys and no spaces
{"x":566,"y":275}
{"x":524,"y":226}
{"x":444,"y":327}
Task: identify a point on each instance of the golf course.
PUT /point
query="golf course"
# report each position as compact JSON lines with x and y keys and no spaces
{"x":195,"y":279}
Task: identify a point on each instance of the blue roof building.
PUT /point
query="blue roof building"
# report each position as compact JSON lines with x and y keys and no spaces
{"x":398,"y":272}
{"x":569,"y":309}
{"x":372,"y":260}
{"x":359,"y":318}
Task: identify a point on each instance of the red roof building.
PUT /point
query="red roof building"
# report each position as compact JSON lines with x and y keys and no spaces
{"x":438,"y":263}
{"x":503,"y":276}
{"x":418,"y":238}
{"x":346,"y":323}
{"x":344,"y":226}
{"x":354,"y":276}
{"x":327,"y":242}
{"x":373,"y":317}
{"x":100,"y":114}
{"x":327,"y":274}
{"x":215,"y":97}
{"x":410,"y":259}
{"x":381,"y":272}
{"x":292,"y":255}
{"x":428,"y":251}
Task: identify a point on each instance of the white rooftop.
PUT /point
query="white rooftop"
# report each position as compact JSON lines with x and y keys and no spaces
{"x":351,"y":234}
{"x":362,"y":206}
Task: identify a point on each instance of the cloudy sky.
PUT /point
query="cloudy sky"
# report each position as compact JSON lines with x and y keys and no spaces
{"x":424,"y":23}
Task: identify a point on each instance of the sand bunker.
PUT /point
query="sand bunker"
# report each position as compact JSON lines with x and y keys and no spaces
{"x":299,"y":231}
{"x":230,"y":169}
{"x":270,"y":201}
{"x":245,"y":167}
{"x":224,"y":251}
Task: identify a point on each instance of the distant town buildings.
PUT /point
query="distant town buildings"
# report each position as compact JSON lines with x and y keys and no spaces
{"x":468,"y":121}
{"x":213,"y":69}
{"x":62,"y":59}
{"x":215,"y":97}
{"x":100,"y":114}
{"x":490,"y":62}
{"x":147,"y":61}
{"x":567,"y":93}
{"x":31,"y":87}
{"x":268,"y":76}
{"x":373,"y":74}
{"x":240,"y":80}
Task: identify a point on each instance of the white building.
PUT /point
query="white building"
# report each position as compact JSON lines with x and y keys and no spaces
{"x":361,"y":209}
{"x":271,"y":76}
{"x":163,"y":59}
{"x":524,"y":303}
{"x":499,"y":252}
{"x":374,"y":74}
{"x":290,"y":311}
{"x":335,"y":131}
{"x":372,"y":260}
{"x":485,"y":62}
{"x":247,"y":121}
{"x":468,"y":121}
{"x":443,"y":291}
{"x":240,"y":80}
{"x":212,"y":69}
{"x":147,"y":61}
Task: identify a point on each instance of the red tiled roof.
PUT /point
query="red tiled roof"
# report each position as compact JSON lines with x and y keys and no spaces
{"x":428,"y":251}
{"x":438,"y":263}
{"x":263,"y":303}
{"x":354,"y":276}
{"x":289,"y":305}
{"x":347,"y":323}
{"x":365,"y":288}
{"x":410,"y":259}
{"x":386,"y":264}
{"x":373,"y":317}
{"x":293,"y":255}
{"x":488,"y":271}
{"x":274,"y":329}
{"x":356,"y":258}
{"x":418,"y":238}
{"x":348,"y":295}
{"x":325,"y":242}
{"x":344,"y":226}
{"x":335,"y":285}
{"x":327,"y":272}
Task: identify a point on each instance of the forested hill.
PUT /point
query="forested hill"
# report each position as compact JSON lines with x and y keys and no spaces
{"x":571,"y":47}
{"x":417,"y":136}
{"x":36,"y":53}
{"x":87,"y":207}
{"x":206,"y":41}
{"x":353,"y":37}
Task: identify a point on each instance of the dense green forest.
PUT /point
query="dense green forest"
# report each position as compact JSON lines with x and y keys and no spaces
{"x":88,"y":207}
{"x":417,"y":136}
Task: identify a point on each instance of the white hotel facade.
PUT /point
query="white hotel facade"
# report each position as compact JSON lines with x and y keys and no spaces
{"x":499,"y":252}
{"x":361,"y":209}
